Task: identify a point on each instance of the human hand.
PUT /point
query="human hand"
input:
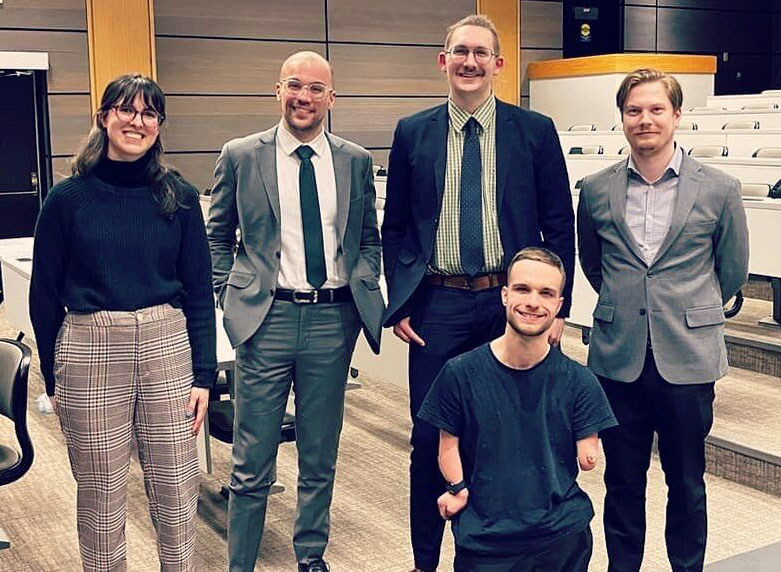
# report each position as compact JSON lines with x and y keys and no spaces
{"x":405,"y":333}
{"x":197,"y":407}
{"x":555,"y":331}
{"x":450,"y":505}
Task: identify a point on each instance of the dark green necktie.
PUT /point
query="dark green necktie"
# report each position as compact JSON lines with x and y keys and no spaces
{"x":310,"y":219}
{"x":471,"y":202}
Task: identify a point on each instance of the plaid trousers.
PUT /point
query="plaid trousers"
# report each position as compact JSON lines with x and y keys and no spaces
{"x":119,"y":374}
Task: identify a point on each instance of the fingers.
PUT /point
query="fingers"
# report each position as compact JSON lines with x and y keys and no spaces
{"x":55,"y":405}
{"x":197,"y":407}
{"x":405,"y":333}
{"x":555,"y":332}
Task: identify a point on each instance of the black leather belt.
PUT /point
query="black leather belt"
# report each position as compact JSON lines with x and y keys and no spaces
{"x":324,"y":296}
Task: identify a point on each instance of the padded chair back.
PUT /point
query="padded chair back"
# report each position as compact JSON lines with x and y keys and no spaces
{"x":754,"y":190}
{"x":741,"y":124}
{"x":687,"y":126}
{"x":14,"y":367}
{"x":587,"y":150}
{"x":624,"y":150}
{"x":706,"y":108}
{"x":617,"y":127}
{"x":583,"y":127}
{"x":708,"y":151}
{"x":760,"y":106}
{"x":767,"y":153}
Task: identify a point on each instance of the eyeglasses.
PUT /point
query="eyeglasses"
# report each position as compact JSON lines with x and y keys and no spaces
{"x":149,"y":117}
{"x":317,"y":90}
{"x":461,"y":53}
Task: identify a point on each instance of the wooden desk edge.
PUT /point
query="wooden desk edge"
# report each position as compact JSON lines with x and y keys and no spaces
{"x":621,"y":63}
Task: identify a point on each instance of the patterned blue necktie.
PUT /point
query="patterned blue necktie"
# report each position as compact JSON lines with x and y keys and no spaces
{"x":310,"y":218}
{"x":471,"y":215}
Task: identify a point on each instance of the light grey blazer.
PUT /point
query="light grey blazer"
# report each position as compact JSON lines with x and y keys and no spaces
{"x":677,"y":300}
{"x":246,"y":196}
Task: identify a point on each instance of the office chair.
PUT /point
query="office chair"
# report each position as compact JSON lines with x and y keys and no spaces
{"x":14,"y":366}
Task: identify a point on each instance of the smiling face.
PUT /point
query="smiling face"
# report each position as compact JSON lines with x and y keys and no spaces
{"x":532,"y":297}
{"x":470,"y":80}
{"x":649,"y":120}
{"x":128,"y":140}
{"x":302,"y":113}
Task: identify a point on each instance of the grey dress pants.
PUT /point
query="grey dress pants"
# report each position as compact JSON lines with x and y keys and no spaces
{"x":310,"y":347}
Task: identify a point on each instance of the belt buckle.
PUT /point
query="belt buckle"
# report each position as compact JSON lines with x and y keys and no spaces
{"x":305,"y":300}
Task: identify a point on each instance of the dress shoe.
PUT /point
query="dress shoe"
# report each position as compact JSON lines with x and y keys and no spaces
{"x":316,"y":565}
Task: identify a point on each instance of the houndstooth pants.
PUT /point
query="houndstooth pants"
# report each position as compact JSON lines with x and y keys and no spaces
{"x":119,"y":374}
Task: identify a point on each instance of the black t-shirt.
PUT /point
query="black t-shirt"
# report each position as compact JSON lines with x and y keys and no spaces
{"x":517,"y":431}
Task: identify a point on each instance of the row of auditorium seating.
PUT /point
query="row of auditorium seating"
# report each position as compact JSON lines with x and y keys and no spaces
{"x":682,"y":126}
{"x":696,"y":151}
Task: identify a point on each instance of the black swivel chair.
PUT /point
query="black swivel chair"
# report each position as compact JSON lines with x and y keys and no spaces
{"x":14,"y":366}
{"x":221,"y":421}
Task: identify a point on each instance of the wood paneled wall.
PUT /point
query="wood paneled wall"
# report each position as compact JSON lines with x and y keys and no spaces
{"x":541,"y":39}
{"x":58,"y":27}
{"x":218,"y":62}
{"x":741,"y":34}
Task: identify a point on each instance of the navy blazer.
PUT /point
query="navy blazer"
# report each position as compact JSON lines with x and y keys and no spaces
{"x":533,"y":196}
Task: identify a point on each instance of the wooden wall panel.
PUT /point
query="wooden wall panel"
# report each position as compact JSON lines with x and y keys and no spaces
{"x":44,"y":14}
{"x":380,"y":156}
{"x":528,"y":56}
{"x":541,"y":24}
{"x":387,"y":70}
{"x":197,"y":168}
{"x":206,"y":123}
{"x":639,"y":28}
{"x":61,"y":169}
{"x":694,"y":31}
{"x":396,"y":22}
{"x":70,"y":121}
{"x":224,"y":67}
{"x":241,"y":19}
{"x":68,"y":70}
{"x":370,"y":121}
{"x":118,"y":46}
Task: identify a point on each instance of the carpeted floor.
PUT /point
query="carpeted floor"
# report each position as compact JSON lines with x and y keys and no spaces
{"x":369,"y":515}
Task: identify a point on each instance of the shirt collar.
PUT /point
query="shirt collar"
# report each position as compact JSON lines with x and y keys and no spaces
{"x":673,"y":168}
{"x":288,"y":142}
{"x":484,"y":115}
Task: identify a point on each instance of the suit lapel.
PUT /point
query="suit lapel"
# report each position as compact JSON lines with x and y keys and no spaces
{"x":343,"y":176}
{"x":266,"y":152}
{"x":437,"y":142}
{"x":504,"y":152}
{"x":688,"y":189}
{"x":618,"y":184}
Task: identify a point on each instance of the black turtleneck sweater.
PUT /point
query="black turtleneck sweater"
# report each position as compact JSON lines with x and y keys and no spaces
{"x":101,"y":243}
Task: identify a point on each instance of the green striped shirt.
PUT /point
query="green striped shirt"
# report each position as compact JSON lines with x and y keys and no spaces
{"x":447,"y":256}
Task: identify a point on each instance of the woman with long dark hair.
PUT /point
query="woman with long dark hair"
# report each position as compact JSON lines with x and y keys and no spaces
{"x":123,"y":313}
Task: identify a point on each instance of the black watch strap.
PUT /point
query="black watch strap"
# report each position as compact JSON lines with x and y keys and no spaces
{"x":455,"y":488}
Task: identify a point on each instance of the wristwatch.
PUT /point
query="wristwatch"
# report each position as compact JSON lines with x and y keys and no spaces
{"x":455,"y":488}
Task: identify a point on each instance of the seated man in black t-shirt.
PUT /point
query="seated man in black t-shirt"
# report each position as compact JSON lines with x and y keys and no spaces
{"x":510,"y":413}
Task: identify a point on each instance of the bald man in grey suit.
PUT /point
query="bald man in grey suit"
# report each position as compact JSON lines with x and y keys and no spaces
{"x":303,"y":282}
{"x":663,"y":240}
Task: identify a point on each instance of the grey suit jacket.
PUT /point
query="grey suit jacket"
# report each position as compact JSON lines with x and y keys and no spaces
{"x":246,"y":196}
{"x":677,"y":300}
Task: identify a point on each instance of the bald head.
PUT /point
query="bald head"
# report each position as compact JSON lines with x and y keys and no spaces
{"x":307,"y":60}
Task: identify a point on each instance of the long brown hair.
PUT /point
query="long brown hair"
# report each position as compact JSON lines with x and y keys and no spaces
{"x":166,"y":182}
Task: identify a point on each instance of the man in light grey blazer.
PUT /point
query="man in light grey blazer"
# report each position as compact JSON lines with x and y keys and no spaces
{"x":302,"y":283}
{"x":663,"y":240}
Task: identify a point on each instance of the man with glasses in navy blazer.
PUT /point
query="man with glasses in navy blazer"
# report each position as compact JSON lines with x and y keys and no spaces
{"x":470,"y":182}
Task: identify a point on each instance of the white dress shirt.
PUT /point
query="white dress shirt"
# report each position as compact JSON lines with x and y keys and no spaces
{"x":292,"y":270}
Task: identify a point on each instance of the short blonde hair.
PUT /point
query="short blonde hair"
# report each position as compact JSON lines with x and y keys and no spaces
{"x":474,"y":20}
{"x":645,"y":75}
